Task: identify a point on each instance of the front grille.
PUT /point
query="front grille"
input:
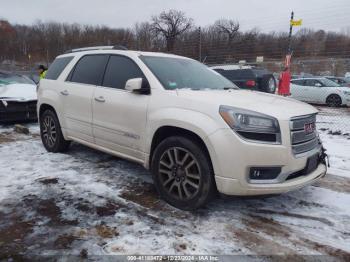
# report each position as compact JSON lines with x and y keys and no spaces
{"x":18,"y":111}
{"x":303,"y":141}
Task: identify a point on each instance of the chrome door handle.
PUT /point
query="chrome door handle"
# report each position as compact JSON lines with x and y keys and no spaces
{"x":100,"y":99}
{"x":65,"y":93}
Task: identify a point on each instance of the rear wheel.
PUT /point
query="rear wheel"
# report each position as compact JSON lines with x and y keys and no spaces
{"x":51,"y":134}
{"x":268,"y":84}
{"x":334,"y":101}
{"x":182,"y":173}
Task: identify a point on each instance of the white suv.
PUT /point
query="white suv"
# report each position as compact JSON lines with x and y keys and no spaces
{"x":195,"y":130}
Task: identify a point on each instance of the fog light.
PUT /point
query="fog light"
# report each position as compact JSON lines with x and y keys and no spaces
{"x":264,"y":173}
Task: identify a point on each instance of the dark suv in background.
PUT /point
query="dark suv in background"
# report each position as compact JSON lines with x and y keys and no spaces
{"x":258,"y":79}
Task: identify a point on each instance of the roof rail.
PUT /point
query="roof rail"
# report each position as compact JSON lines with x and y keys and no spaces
{"x":115,"y":47}
{"x":120,"y":47}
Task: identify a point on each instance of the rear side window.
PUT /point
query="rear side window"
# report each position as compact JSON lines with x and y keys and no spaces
{"x":119,"y":70}
{"x":57,"y":67}
{"x":298,"y":82}
{"x":311,"y":82}
{"x":89,"y":70}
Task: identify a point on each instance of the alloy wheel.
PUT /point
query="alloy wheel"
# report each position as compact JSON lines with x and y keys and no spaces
{"x":271,"y":85}
{"x":49,"y":131}
{"x":334,"y":101}
{"x":180,"y":173}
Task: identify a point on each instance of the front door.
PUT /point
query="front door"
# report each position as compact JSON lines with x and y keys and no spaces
{"x":119,"y":116}
{"x":298,"y":89}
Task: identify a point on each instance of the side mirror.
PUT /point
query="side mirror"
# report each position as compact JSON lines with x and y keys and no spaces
{"x":318,"y":85}
{"x":133,"y":84}
{"x":138,"y":85}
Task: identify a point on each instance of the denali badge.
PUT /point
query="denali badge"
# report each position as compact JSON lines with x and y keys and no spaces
{"x":309,"y":128}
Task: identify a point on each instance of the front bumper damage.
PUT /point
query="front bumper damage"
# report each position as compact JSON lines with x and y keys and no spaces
{"x":17,"y":110}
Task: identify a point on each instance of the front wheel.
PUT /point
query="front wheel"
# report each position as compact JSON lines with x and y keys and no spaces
{"x":51,"y":134}
{"x":182,"y":173}
{"x":334,"y":101}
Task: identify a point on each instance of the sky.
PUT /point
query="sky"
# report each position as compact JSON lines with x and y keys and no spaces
{"x":266,"y":15}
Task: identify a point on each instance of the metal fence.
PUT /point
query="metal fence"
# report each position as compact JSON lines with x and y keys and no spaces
{"x":333,"y":118}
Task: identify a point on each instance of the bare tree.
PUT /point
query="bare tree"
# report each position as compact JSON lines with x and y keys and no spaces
{"x":170,"y":25}
{"x":143,"y":36}
{"x":228,"y":27}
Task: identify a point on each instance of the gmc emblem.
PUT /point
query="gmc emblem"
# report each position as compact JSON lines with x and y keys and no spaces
{"x":309,"y":128}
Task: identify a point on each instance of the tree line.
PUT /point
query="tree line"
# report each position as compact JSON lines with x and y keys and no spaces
{"x":170,"y":31}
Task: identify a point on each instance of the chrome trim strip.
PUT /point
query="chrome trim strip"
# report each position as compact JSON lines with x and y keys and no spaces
{"x":301,"y":136}
{"x":305,"y":147}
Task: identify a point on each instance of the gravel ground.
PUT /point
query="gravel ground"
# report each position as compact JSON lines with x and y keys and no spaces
{"x":86,"y":203}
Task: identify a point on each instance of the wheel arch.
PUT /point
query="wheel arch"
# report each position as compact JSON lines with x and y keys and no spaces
{"x":335,"y":95}
{"x":45,"y":106}
{"x":166,"y":131}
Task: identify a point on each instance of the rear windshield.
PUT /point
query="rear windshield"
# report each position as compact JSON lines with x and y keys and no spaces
{"x":260,"y":72}
{"x":237,"y":74}
{"x":57,"y":67}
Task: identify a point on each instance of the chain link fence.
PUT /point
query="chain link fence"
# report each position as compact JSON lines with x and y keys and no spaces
{"x":309,"y":83}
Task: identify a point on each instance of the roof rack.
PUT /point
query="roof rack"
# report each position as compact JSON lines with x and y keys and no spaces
{"x":115,"y":47}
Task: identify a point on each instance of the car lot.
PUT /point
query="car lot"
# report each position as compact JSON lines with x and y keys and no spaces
{"x":88,"y":203}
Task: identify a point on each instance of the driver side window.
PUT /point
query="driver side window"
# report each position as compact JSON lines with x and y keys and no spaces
{"x":119,"y":70}
{"x":313,"y":82}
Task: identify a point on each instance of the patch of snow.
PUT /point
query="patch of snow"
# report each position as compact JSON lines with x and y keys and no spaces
{"x":89,"y":192}
{"x":338,"y":149}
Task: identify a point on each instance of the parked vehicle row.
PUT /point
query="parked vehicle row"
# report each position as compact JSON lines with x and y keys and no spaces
{"x":194,"y":129}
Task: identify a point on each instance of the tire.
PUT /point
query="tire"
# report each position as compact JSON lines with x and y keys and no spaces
{"x":191,"y":173}
{"x":51,"y":134}
{"x":268,"y":84}
{"x":334,"y":101}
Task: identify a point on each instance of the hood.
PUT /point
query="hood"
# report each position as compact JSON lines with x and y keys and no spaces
{"x":280,"y":107}
{"x":18,"y":92}
{"x":342,"y":88}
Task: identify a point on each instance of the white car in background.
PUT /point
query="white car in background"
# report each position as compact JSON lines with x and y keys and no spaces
{"x":320,"y":91}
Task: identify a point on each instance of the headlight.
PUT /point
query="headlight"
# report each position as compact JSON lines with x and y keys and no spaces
{"x":252,"y":125}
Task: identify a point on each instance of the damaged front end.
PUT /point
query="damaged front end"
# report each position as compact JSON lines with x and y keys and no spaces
{"x":12,"y":110}
{"x":18,"y":98}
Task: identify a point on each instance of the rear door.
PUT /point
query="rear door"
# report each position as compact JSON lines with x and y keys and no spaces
{"x":119,"y":116}
{"x":298,"y":89}
{"x":77,"y":93}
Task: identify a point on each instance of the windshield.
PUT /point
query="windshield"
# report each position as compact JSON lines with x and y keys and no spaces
{"x":177,"y":73}
{"x":8,"y":79}
{"x":328,"y":83}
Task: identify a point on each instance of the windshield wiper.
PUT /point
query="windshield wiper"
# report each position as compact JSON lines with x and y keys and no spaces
{"x":229,"y":88}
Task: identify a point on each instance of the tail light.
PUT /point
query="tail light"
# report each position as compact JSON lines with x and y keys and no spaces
{"x":250,"y":83}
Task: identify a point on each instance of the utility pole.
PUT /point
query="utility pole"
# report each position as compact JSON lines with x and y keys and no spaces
{"x":200,"y":44}
{"x":290,"y":34}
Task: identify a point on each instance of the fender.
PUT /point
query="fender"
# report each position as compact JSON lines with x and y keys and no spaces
{"x":199,"y":123}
